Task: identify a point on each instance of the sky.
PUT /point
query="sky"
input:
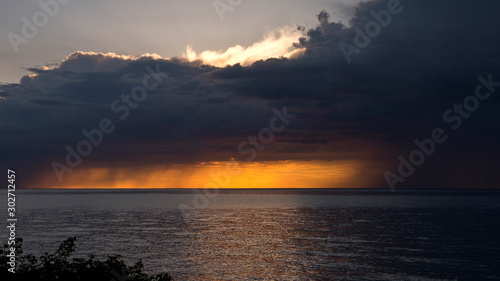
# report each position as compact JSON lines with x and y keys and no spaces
{"x":239,"y":94}
{"x":134,"y":27}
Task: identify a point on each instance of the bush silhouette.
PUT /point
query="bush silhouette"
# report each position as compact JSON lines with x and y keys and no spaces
{"x":59,"y":266}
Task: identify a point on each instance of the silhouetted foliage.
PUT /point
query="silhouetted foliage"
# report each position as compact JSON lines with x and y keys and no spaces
{"x":59,"y":266}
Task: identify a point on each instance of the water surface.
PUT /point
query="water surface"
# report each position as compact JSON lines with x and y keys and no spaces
{"x":276,"y":234}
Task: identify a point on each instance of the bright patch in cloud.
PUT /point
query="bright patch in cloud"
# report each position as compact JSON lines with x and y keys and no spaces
{"x":275,"y":44}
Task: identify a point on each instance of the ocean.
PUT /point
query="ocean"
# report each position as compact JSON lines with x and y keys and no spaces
{"x":274,"y":234}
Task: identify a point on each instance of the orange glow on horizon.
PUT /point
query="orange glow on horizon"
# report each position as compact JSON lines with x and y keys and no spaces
{"x":270,"y":174}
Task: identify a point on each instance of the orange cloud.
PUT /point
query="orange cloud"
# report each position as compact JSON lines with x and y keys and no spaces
{"x":269,"y":174}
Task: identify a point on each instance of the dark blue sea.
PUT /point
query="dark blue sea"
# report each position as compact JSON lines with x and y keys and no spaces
{"x":275,"y":234}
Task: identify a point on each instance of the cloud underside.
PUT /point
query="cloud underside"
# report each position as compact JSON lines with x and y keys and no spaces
{"x":365,"y":113}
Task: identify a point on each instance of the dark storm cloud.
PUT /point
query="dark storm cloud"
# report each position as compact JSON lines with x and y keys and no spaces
{"x":395,"y":90}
